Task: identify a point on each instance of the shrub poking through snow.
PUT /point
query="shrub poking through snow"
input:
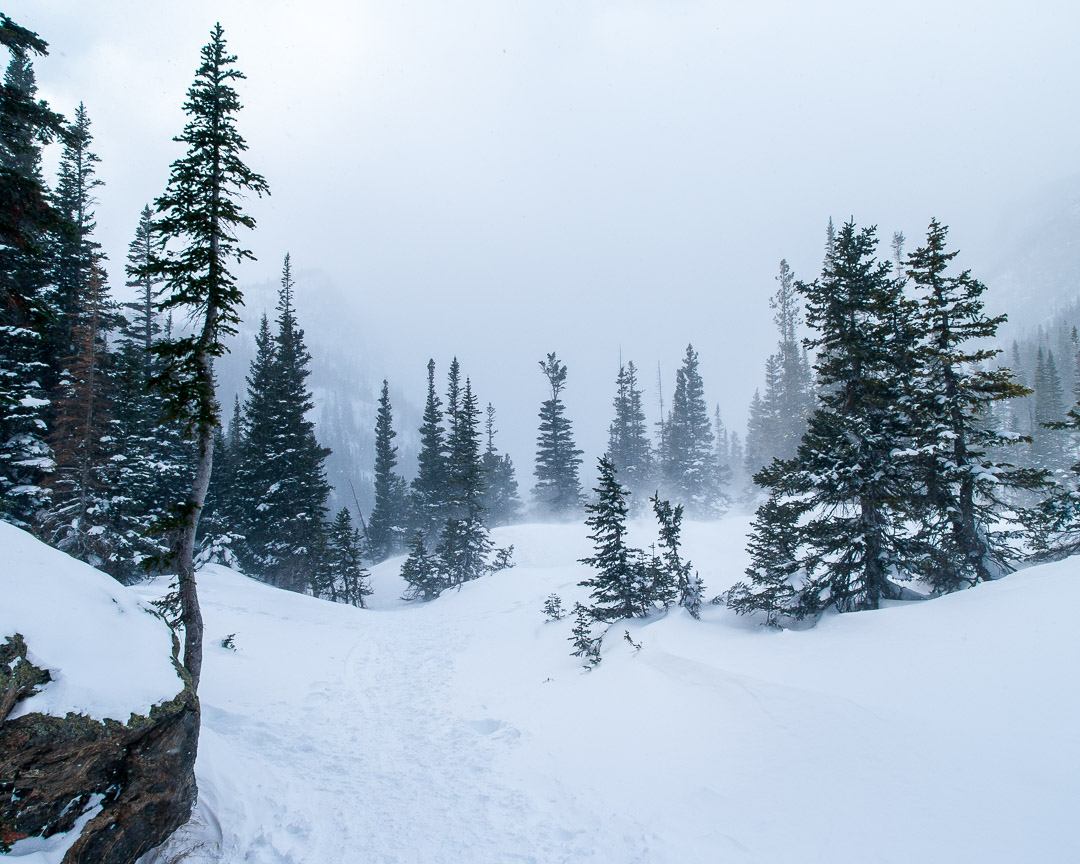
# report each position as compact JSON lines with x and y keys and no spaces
{"x":585,"y":646}
{"x":553,"y":608}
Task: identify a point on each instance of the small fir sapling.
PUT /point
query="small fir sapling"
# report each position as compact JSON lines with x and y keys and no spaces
{"x":553,"y":608}
{"x":585,"y":646}
{"x":503,"y":559}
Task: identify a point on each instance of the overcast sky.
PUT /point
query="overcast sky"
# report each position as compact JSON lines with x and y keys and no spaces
{"x":503,"y":179}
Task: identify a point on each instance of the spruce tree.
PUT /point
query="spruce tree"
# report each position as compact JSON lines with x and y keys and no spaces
{"x":27,"y":221}
{"x":1047,"y":446}
{"x":198,"y":215}
{"x":688,"y":461}
{"x":846,"y":471}
{"x":284,"y":477}
{"x":499,"y":499}
{"x":628,"y":438}
{"x":349,"y":580}
{"x":464,"y":544}
{"x":621,"y":586}
{"x":960,"y":543}
{"x":386,"y":526}
{"x":678,"y":578}
{"x":420,"y":572}
{"x":427,"y":499}
{"x":558,"y":490}
{"x":774,"y":564}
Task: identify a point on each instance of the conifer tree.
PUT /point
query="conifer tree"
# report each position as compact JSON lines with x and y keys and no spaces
{"x":688,"y":461}
{"x":283,"y":458}
{"x":386,"y":526}
{"x":678,"y":578}
{"x":499,"y":499}
{"x":621,"y":586}
{"x":464,"y":544}
{"x":427,"y":499}
{"x":79,"y":518}
{"x":421,"y":573}
{"x":74,"y":252}
{"x":199,"y":213}
{"x":1047,"y":444}
{"x":774,"y":564}
{"x":558,"y":489}
{"x":27,"y":220}
{"x":846,"y":472}
{"x":963,"y":488}
{"x":628,"y":438}
{"x":349,"y":580}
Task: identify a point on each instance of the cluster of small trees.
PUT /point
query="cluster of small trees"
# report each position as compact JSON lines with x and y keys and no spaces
{"x":628,"y":582}
{"x":686,"y":464}
{"x":459,"y":492}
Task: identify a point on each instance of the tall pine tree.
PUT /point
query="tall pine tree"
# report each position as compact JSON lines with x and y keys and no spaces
{"x":386,"y":527}
{"x":557,"y":492}
{"x":199,"y":214}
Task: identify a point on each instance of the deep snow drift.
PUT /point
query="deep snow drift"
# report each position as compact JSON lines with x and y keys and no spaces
{"x":82,"y":626}
{"x":462,"y":730}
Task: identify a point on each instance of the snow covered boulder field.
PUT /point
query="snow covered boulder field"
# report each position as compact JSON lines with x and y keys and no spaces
{"x":461,"y":731}
{"x":98,"y":729}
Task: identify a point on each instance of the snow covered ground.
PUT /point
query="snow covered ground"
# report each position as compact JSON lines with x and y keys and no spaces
{"x":462,"y":730}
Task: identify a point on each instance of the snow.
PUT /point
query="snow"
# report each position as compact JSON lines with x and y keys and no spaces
{"x":462,"y":731}
{"x":107,"y":654}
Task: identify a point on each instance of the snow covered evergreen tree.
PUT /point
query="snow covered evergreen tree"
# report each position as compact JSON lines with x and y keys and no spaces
{"x":962,"y":487}
{"x":628,"y":437}
{"x":349,"y":580}
{"x":774,"y":564}
{"x":420,"y":572}
{"x":464,"y":544}
{"x":557,"y":491}
{"x":427,"y":498}
{"x":678,"y":578}
{"x":846,"y":472}
{"x":26,"y":306}
{"x":622,"y":587}
{"x":386,"y":527}
{"x":283,"y":473}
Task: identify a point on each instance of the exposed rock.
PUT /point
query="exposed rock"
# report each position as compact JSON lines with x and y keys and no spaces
{"x":51,"y":768}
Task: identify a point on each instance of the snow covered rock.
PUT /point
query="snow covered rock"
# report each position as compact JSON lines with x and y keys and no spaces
{"x":98,"y":726}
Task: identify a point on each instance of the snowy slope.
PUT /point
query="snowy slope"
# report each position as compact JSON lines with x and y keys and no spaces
{"x":462,"y":730}
{"x":82,"y":626}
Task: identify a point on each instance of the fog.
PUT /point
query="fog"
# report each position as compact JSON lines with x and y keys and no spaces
{"x":601,"y":179}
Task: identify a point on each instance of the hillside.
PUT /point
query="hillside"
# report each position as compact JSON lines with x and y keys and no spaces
{"x":462,"y":730}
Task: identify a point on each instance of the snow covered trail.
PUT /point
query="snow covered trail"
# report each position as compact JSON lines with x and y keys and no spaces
{"x":462,"y":731}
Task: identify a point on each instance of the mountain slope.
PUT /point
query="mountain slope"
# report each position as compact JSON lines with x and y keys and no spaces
{"x":462,"y":730}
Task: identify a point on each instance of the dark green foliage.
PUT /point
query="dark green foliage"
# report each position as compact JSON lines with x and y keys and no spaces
{"x":427,"y":499}
{"x":421,"y":573}
{"x":348,"y":582}
{"x":774,"y":564}
{"x":553,"y":608}
{"x":624,"y":585}
{"x":198,"y":218}
{"x":281,"y":473}
{"x":585,"y":646}
{"x":27,"y":223}
{"x":846,"y":472}
{"x":386,"y":527}
{"x":962,"y":488}
{"x":558,"y":490}
{"x":464,"y":543}
{"x":679,"y":577}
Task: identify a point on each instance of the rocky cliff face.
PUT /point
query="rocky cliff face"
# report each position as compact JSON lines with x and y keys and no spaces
{"x":52,"y":769}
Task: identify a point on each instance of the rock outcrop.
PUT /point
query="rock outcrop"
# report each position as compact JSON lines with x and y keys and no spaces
{"x":52,"y":769}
